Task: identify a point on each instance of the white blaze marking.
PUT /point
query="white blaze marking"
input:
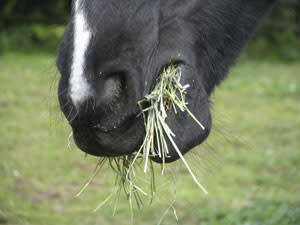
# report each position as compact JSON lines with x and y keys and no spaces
{"x":79,"y":88}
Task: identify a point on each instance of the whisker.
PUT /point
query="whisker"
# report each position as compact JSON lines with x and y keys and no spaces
{"x":213,"y":153}
{"x":70,"y":113}
{"x":226,"y":134}
{"x":76,"y":114}
{"x":66,"y":104}
{"x":63,"y":92}
{"x":93,"y":104}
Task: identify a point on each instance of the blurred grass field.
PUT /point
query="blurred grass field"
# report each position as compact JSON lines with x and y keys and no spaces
{"x":250,"y":165}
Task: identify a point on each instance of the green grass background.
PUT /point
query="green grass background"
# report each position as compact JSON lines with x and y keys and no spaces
{"x":250,"y":164}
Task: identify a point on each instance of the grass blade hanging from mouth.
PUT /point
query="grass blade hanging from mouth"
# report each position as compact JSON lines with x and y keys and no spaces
{"x":167,"y":95}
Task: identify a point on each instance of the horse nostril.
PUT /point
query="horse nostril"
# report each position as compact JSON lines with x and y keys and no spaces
{"x":107,"y":90}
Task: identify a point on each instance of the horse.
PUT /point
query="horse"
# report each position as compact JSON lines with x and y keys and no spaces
{"x":113,"y":50}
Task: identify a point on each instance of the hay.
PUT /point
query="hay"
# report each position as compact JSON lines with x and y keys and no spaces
{"x":168,"y":95}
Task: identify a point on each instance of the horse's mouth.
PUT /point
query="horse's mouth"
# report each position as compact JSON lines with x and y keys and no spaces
{"x":120,"y":125}
{"x":108,"y":139}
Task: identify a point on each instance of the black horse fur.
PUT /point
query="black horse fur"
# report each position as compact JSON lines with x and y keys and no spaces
{"x":131,"y":42}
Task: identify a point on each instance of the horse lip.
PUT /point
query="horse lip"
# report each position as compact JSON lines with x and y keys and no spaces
{"x":120,"y":125}
{"x":106,"y":128}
